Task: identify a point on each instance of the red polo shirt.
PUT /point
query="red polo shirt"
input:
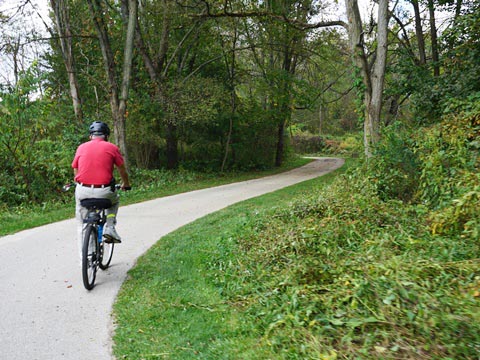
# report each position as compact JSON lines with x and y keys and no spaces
{"x":95,"y":160}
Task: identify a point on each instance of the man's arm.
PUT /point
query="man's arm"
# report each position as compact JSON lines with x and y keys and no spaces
{"x":124,"y":175}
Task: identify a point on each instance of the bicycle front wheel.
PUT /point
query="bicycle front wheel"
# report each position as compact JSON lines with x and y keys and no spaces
{"x":106,"y":250}
{"x":90,"y":253}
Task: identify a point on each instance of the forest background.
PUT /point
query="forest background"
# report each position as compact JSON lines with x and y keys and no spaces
{"x":214,"y":87}
{"x":222,"y":85}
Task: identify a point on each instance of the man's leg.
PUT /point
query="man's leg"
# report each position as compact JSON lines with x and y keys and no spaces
{"x":110,"y":232}
{"x":80,"y":214}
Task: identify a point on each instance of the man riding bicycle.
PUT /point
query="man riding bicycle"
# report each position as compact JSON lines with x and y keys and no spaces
{"x":93,"y":167}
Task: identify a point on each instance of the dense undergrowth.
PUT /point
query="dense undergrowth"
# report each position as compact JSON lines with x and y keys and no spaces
{"x":342,"y":273}
{"x":355,"y":271}
{"x":351,"y":270}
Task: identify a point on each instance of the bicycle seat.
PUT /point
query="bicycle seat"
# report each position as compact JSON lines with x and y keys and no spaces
{"x":96,"y":203}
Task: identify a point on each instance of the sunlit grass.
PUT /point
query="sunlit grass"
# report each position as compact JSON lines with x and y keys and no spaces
{"x":173,"y":306}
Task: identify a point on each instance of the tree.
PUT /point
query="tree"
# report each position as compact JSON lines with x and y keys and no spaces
{"x":276,"y":31}
{"x":157,"y":65}
{"x":419,"y":32}
{"x":174,"y":58}
{"x":324,"y":102}
{"x":118,"y":93}
{"x":230,"y":58}
{"x":372,"y":75}
{"x":434,"y":38}
{"x":276,"y":47}
{"x":32,"y":154}
{"x":62,"y":22}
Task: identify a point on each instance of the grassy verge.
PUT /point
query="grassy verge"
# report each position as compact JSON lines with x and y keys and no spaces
{"x":327,"y":272}
{"x":147,"y":185}
{"x":173,"y":305}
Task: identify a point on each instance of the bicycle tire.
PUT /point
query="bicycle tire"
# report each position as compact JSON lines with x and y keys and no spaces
{"x":90,"y":253}
{"x":106,"y":253}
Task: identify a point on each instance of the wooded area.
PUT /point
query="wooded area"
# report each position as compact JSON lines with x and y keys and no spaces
{"x":219,"y":85}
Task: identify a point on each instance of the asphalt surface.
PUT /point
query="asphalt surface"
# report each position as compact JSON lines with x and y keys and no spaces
{"x":46,"y":313}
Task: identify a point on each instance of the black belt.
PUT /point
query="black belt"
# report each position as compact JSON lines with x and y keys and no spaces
{"x":94,"y":186}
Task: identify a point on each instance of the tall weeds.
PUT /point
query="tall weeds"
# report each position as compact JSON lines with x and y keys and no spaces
{"x":378,"y":266}
{"x":344,"y":274}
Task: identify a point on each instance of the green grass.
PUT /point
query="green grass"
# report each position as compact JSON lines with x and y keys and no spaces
{"x":319,"y":270}
{"x":172,"y":307}
{"x":147,"y":185}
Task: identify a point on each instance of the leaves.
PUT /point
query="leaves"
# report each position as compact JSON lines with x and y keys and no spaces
{"x":340,"y":270}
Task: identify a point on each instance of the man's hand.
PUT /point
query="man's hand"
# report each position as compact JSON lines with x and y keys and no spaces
{"x":124,"y":175}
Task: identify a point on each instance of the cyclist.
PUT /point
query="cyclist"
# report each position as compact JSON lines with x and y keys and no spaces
{"x":93,"y":167}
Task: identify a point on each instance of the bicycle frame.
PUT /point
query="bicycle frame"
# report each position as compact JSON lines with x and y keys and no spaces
{"x":101,"y":255}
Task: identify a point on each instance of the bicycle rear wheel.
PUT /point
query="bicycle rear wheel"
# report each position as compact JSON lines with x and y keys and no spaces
{"x":106,"y":251}
{"x":90,"y":253}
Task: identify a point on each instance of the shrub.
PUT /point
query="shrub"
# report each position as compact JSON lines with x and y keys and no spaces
{"x":449,"y":181}
{"x":394,"y":168}
{"x":304,"y":143}
{"x":340,"y":273}
{"x":35,"y":151}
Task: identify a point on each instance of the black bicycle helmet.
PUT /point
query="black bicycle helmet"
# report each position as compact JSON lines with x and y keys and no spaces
{"x":99,"y":128}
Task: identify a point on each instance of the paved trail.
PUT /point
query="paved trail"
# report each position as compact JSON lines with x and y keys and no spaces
{"x":45,"y":312}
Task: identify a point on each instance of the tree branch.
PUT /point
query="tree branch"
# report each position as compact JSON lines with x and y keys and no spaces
{"x":248,"y":14}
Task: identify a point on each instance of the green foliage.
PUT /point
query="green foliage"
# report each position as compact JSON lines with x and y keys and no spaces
{"x":429,"y":96}
{"x":254,"y":138}
{"x":145,"y":134}
{"x":32,"y":151}
{"x":461,"y":44}
{"x":359,"y":87}
{"x":461,"y":216}
{"x":341,"y":273}
{"x":304,"y":143}
{"x":394,"y":168}
{"x":314,"y":271}
{"x":449,"y":180}
{"x":154,"y":179}
{"x":437,"y":166}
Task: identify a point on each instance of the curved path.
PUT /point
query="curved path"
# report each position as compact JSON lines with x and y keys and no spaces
{"x":45,"y":312}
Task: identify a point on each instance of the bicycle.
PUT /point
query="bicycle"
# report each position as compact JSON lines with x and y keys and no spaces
{"x":95,"y":251}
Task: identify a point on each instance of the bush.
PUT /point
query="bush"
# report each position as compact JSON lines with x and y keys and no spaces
{"x":449,"y":180}
{"x":35,"y":147}
{"x":394,"y":168}
{"x":339,"y":273}
{"x":307,"y":143}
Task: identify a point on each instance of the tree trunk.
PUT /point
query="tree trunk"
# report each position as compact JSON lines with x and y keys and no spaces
{"x":118,"y":95}
{"x":322,"y":112}
{"x":120,"y":126}
{"x":172,"y":146}
{"x":230,"y":129}
{"x":378,"y":73}
{"x":458,"y":8}
{"x":419,"y":33}
{"x":373,"y":80}
{"x":62,"y":21}
{"x":433,"y":35}
{"x":233,"y":96}
{"x":280,"y":144}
